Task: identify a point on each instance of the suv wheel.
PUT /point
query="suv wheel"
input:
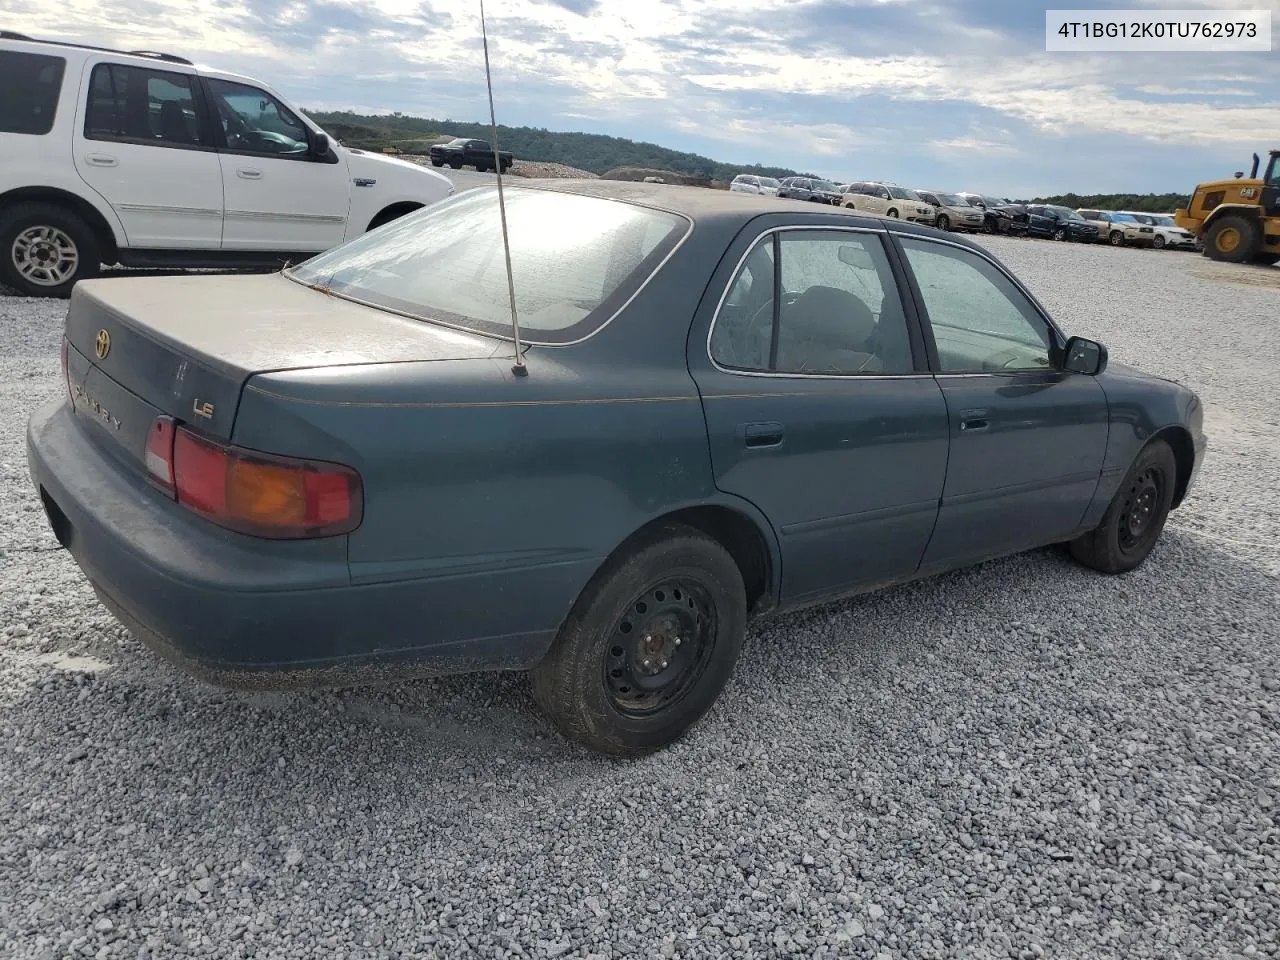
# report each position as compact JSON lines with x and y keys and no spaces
{"x":1117,"y":238}
{"x":45,"y":249}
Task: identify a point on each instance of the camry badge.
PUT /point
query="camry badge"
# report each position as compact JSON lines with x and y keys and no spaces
{"x":102,"y":344}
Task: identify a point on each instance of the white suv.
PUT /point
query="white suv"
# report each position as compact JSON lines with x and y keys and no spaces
{"x":750,"y":183}
{"x":145,"y":159}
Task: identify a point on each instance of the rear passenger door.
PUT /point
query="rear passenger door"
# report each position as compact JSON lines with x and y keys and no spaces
{"x":143,"y":141}
{"x":820,"y":410}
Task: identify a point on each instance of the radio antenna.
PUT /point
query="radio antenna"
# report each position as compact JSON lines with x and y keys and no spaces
{"x":519,"y":369}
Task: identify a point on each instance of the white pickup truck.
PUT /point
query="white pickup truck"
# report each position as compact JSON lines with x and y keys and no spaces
{"x":144,"y":159}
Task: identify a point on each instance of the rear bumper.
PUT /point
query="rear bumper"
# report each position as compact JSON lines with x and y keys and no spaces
{"x":245,"y":612}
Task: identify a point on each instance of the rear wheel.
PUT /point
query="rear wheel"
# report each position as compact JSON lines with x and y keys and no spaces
{"x":1060,"y":234}
{"x":1117,"y":238}
{"x":944,"y":222}
{"x":1136,"y":517}
{"x":45,"y":249}
{"x":894,"y":214}
{"x":1158,"y":242}
{"x":1232,"y":239}
{"x":648,"y":647}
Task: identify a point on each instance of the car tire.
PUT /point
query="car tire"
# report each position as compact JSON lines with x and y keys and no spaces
{"x":1232,"y":239}
{"x":455,"y":164}
{"x":1158,"y":243}
{"x":944,"y":222}
{"x":893,"y":213}
{"x":437,"y":163}
{"x":1060,"y":235}
{"x":32,"y":234}
{"x":1136,"y":515}
{"x":1116,"y":238}
{"x":594,"y":685}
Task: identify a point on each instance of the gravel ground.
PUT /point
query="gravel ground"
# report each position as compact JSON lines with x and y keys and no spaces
{"x":1021,"y":760}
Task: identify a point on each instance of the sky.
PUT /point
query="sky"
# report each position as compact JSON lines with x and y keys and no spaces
{"x":943,"y":94}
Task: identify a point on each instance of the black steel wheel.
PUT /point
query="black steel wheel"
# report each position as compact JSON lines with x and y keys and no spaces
{"x":649,"y":645}
{"x":660,"y":647}
{"x":1136,"y":516}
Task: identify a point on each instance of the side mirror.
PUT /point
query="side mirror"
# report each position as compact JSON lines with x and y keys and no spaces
{"x":1084,"y":356}
{"x":319,"y":145}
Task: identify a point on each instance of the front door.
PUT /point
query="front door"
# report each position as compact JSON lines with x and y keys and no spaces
{"x":819,"y":409}
{"x":146,"y":145}
{"x":1027,"y":439}
{"x":278,"y":196}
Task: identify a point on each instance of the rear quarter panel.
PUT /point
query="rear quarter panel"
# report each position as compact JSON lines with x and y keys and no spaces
{"x":517,"y":488}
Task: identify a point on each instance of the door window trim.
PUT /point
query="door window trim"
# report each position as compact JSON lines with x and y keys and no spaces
{"x":198,"y":105}
{"x":919,"y":345}
{"x":926,"y":325}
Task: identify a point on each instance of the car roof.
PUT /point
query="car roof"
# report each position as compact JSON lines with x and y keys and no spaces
{"x":152,"y":58}
{"x":701,"y":204}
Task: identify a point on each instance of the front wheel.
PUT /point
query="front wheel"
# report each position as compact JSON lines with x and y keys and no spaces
{"x":1137,"y":514}
{"x":944,"y":222}
{"x":45,"y":249}
{"x":436,"y":162}
{"x":1232,"y":239}
{"x":894,"y":214}
{"x":648,"y":647}
{"x":1117,"y":238}
{"x":1060,"y":234}
{"x":1158,"y":242}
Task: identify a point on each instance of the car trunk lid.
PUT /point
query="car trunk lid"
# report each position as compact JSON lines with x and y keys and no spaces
{"x":184,"y":346}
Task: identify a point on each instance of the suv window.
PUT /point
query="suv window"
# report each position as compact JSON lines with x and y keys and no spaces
{"x":141,"y":105}
{"x":981,"y":322}
{"x":255,"y":122}
{"x":840,"y":312}
{"x":30,"y":84}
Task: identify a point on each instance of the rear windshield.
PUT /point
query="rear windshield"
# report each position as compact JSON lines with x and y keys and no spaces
{"x":575,"y":261}
{"x":29,"y":87}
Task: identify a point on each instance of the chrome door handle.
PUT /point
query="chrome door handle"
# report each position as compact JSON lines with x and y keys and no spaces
{"x":101,"y":160}
{"x":248,"y":173}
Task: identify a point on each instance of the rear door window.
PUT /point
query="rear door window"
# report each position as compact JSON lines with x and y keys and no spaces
{"x":30,"y":84}
{"x":144,"y":106}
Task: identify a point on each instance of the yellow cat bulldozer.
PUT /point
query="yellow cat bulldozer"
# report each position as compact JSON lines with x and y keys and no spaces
{"x":1237,"y":220}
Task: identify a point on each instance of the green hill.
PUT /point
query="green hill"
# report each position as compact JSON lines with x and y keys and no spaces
{"x":586,"y":151}
{"x":600,"y":154}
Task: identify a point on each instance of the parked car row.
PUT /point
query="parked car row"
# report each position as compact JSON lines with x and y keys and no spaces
{"x":978,"y":212}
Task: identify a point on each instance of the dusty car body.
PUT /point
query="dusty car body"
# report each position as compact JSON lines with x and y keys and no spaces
{"x":341,"y":474}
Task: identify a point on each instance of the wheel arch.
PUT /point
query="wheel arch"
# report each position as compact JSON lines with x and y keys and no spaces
{"x":393,"y":211}
{"x":1184,"y":455}
{"x":96,"y":220}
{"x":746,"y":536}
{"x":1247,"y":210}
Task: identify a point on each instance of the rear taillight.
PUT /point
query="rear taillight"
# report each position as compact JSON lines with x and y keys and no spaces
{"x":260,"y":494}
